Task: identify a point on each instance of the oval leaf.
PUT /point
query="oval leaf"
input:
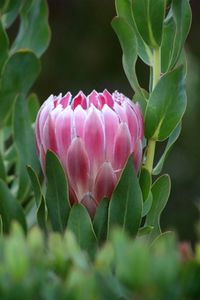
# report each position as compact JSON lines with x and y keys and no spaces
{"x":126,"y":203}
{"x":18,"y":75}
{"x":100,"y":221}
{"x":10,"y":209}
{"x":166,"y":105}
{"x":34,"y":32}
{"x":149,"y":16}
{"x":80,"y":224}
{"x":129,"y":47}
{"x":57,"y":193}
{"x":160,"y":191}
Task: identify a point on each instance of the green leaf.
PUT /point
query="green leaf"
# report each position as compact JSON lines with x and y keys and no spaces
{"x":149,"y":17}
{"x":12,"y":11}
{"x":145,"y":182}
{"x":145,"y":230}
{"x":2,"y":169}
{"x":22,"y":180}
{"x":166,"y":105}
{"x":57,"y":193}
{"x":124,"y":10}
{"x":169,"y":31}
{"x":160,"y":190}
{"x":39,"y":198}
{"x":33,"y":107}
{"x":80,"y":224}
{"x":172,"y":139}
{"x":126,"y":203}
{"x":18,"y":75}
{"x":34,"y":32}
{"x":35,"y":185}
{"x":182,"y":16}
{"x":100,"y":221}
{"x":128,"y":43}
{"x":147,"y":204}
{"x":24,"y":133}
{"x":10,"y":209}
{"x":4,"y":43}
{"x":25,"y":144}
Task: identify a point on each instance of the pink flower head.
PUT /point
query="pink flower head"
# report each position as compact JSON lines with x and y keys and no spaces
{"x":93,"y":136}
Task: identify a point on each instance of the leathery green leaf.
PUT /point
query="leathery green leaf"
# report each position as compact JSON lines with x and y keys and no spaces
{"x":126,"y":203}
{"x":57,"y":193}
{"x":34,"y":32}
{"x":166,"y":105}
{"x":80,"y":224}
{"x":100,"y":221}
{"x":19,"y":73}
{"x":10,"y":209}
{"x":3,"y":47}
{"x":128,"y":43}
{"x":160,"y":191}
{"x":149,"y":17}
{"x":172,"y":139}
{"x":39,"y":198}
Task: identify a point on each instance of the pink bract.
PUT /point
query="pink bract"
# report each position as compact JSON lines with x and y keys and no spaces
{"x":93,"y":136}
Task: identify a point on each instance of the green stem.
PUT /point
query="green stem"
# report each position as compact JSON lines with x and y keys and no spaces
{"x":152,"y":143}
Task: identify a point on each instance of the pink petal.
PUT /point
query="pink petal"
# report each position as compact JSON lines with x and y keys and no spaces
{"x":94,"y":139}
{"x":121,"y":112}
{"x":66,"y":99}
{"x":105,"y":182}
{"x":132,"y":124}
{"x":122,"y":147}
{"x":111,"y":122}
{"x":93,"y":99}
{"x":78,"y":168}
{"x":79,"y":120}
{"x":63,"y":131}
{"x":79,"y":99}
{"x":109,"y":99}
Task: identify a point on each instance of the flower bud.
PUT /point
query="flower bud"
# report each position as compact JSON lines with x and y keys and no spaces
{"x":93,"y":136}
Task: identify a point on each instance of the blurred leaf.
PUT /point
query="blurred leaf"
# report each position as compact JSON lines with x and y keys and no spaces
{"x":172,"y":139}
{"x":12,"y":11}
{"x":145,"y":230}
{"x":10,"y":209}
{"x":166,"y":105}
{"x":182,"y":16}
{"x":145,"y":182}
{"x":25,"y":143}
{"x":142,"y":100}
{"x":33,"y":106}
{"x":128,"y":43}
{"x":160,"y":190}
{"x":3,"y":6}
{"x":2,"y":169}
{"x":126,"y":203}
{"x":34,"y":32}
{"x":39,"y":198}
{"x":149,"y":16}
{"x":80,"y":224}
{"x":24,"y":134}
{"x":57,"y":193}
{"x":3,"y":47}
{"x":18,"y":75}
{"x":100,"y":221}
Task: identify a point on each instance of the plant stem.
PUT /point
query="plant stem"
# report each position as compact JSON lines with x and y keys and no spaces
{"x":151,"y":142}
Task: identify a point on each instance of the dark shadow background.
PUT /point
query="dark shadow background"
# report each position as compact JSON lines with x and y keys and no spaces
{"x":84,"y":54}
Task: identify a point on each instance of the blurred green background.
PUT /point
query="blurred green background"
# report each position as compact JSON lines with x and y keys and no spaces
{"x":84,"y":54}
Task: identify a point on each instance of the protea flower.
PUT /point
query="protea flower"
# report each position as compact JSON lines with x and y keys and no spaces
{"x":93,"y":136}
